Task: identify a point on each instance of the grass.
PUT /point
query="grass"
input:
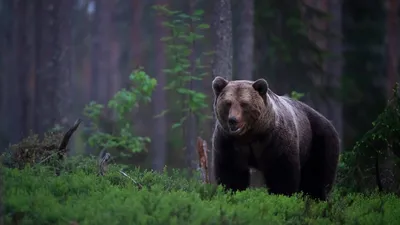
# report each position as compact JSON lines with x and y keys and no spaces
{"x":34,"y":195}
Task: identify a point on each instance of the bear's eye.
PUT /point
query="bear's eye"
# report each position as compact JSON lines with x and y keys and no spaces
{"x":228,"y":103}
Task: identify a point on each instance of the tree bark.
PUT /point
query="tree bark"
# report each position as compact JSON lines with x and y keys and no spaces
{"x":101,"y":68}
{"x":159,"y":101}
{"x":222,"y":63}
{"x":334,"y":66}
{"x":7,"y":24}
{"x":17,"y":82}
{"x":48,"y":65}
{"x":136,"y":34}
{"x":245,"y":44}
{"x":65,"y":75}
{"x":392,"y":48}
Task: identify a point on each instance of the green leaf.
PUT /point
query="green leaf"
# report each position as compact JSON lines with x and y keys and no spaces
{"x":203,"y":26}
{"x":175,"y":125}
{"x":198,"y":12}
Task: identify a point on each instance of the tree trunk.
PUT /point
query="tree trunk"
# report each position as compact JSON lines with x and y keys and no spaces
{"x":101,"y":68}
{"x":392,"y":38}
{"x":48,"y":95}
{"x":65,"y":88}
{"x":222,"y":63}
{"x":190,"y":130}
{"x":334,"y":66}
{"x":159,"y":132}
{"x":6,"y":26}
{"x":136,"y":31}
{"x":245,"y":43}
{"x":17,"y":82}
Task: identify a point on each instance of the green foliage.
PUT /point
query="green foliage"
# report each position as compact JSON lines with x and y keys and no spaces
{"x":122,"y":103}
{"x":184,"y":67}
{"x":296,"y":95}
{"x":382,"y":142}
{"x":36,"y":196}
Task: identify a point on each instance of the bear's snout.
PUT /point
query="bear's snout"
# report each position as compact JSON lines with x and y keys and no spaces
{"x":233,"y":123}
{"x":235,"y":119}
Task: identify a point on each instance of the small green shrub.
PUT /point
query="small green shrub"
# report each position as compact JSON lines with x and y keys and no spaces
{"x":78,"y":195}
{"x":122,"y":103}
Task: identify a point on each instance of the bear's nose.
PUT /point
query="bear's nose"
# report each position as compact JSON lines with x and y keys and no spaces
{"x":232,"y":121}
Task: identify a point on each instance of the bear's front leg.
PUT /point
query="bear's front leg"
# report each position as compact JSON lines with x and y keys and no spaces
{"x":230,"y":167}
{"x":283,"y":175}
{"x":230,"y":175}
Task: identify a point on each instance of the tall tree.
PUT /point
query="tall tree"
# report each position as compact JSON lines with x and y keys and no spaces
{"x":392,"y":28}
{"x":222,"y":63}
{"x":52,"y":35}
{"x":101,"y":39}
{"x":159,"y":137}
{"x":334,"y":66}
{"x":6,"y":26}
{"x":46,"y":65}
{"x":136,"y":34}
{"x":17,"y":83}
{"x":245,"y":42}
{"x":190,"y":125}
{"x":65,"y":71}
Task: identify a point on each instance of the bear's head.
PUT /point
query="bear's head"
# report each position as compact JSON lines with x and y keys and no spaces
{"x":240,"y":104}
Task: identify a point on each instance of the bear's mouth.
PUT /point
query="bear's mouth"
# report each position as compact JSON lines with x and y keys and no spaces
{"x":235,"y":130}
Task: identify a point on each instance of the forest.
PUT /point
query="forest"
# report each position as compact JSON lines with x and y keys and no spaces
{"x":110,"y":117}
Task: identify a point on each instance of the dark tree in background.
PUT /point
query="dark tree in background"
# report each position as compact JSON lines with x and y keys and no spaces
{"x":244,"y":45}
{"x":159,"y":140}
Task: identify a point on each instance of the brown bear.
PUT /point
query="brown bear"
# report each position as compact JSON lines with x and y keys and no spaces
{"x":293,"y":145}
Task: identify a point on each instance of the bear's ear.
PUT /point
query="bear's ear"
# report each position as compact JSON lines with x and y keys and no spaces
{"x":261,"y":86}
{"x":218,"y":84}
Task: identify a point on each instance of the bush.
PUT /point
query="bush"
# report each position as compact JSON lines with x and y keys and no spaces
{"x":373,"y":161}
{"x":34,"y":195}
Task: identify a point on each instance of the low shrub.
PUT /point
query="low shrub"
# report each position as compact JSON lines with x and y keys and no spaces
{"x":34,"y":195}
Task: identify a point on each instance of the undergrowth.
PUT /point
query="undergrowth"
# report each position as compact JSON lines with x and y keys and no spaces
{"x":34,"y":195}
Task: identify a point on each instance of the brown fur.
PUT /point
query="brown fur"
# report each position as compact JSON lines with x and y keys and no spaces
{"x":295,"y":147}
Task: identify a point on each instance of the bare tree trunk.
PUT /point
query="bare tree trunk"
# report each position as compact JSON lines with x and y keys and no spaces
{"x":48,"y":79}
{"x":334,"y":66}
{"x":17,"y":82}
{"x":190,"y":131}
{"x":159,"y":133}
{"x":245,"y":59}
{"x":222,"y":64}
{"x":101,"y":68}
{"x":392,"y":38}
{"x":6,"y":59}
{"x":65,"y":87}
{"x":136,"y":29}
{"x":31,"y":76}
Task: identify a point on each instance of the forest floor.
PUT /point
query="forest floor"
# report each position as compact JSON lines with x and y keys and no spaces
{"x":34,"y":195}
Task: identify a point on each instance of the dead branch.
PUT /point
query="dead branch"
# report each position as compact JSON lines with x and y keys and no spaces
{"x":68,"y":134}
{"x":104,"y":157}
{"x":203,"y":159}
{"x":135,"y":182}
{"x":62,"y":148}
